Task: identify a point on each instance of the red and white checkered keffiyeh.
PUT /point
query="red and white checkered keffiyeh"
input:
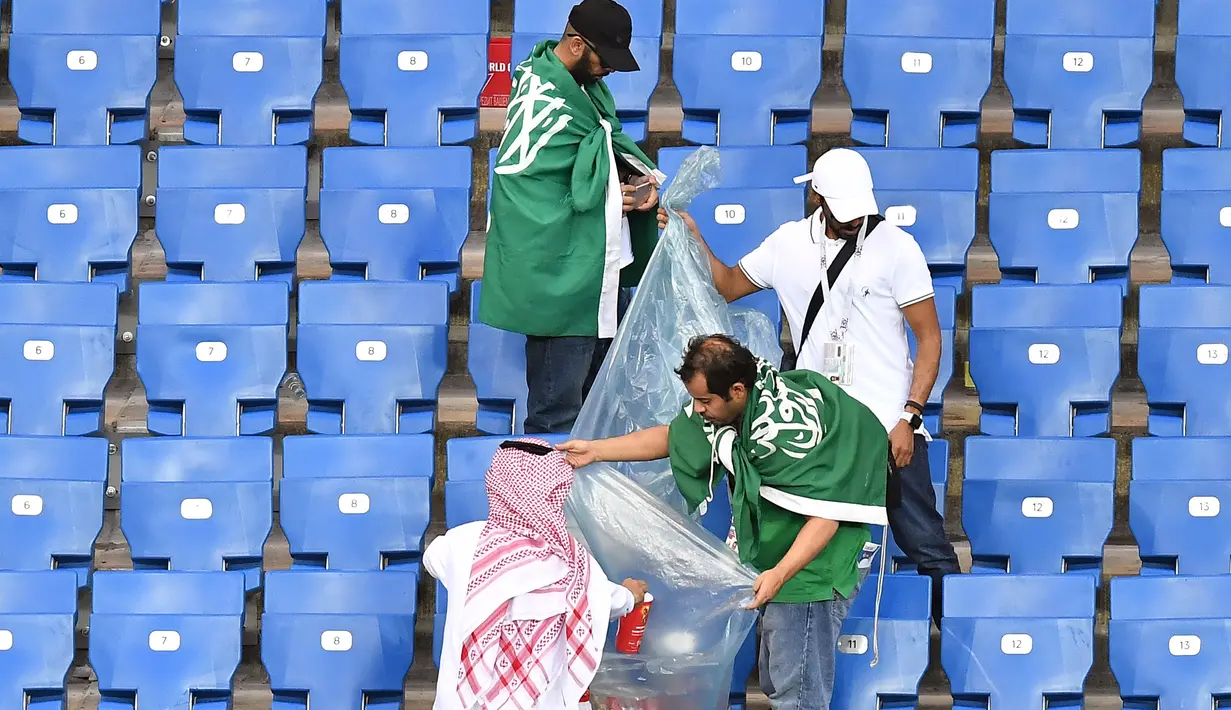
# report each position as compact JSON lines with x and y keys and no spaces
{"x":502,"y":658}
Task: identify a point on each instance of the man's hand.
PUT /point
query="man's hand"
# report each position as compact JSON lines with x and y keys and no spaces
{"x":638,"y":588}
{"x":629,"y":200}
{"x":767,"y":586}
{"x":579,"y":453}
{"x":688,"y":221}
{"x":902,"y":444}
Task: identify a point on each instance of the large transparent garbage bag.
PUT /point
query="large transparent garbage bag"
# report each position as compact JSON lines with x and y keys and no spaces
{"x":630,"y":515}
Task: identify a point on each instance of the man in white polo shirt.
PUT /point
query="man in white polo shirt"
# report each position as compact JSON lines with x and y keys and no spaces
{"x":850,"y":327}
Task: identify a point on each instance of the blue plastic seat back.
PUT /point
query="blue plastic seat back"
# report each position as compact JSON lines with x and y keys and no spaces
{"x":83,"y":71}
{"x":1175,"y":501}
{"x":537,"y":20}
{"x":1078,"y":70}
{"x":38,"y":616}
{"x":746,"y":72}
{"x":917,"y":71}
{"x":496,"y":360}
{"x":249,"y":70}
{"x":198,"y":505}
{"x":231,"y":214}
{"x":932,"y":194}
{"x":346,"y":638}
{"x":372,"y":355}
{"x":211,"y":356}
{"x":1044,"y":358}
{"x":72,"y":213}
{"x":1170,"y":640}
{"x":756,"y":196}
{"x":904,"y":632}
{"x":1181,"y":353}
{"x":1195,"y":214}
{"x":57,"y":353}
{"x":938,"y":465}
{"x":946,"y":312}
{"x":356,"y":502}
{"x":1202,"y":40}
{"x":413,"y":71}
{"x":396,"y":214}
{"x":468,"y":458}
{"x":1038,"y":506}
{"x":1017,"y":641}
{"x":1064,"y":216}
{"x":166,"y":636}
{"x":55,"y":486}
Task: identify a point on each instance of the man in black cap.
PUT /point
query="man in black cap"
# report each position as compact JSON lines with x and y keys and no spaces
{"x":571,"y":217}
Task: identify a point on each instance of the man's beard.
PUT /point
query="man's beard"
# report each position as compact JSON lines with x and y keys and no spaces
{"x":581,"y":73}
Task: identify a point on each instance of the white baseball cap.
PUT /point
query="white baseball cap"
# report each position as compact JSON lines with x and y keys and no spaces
{"x":843,"y":178}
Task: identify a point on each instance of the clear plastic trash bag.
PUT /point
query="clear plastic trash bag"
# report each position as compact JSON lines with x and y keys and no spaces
{"x":631,"y":515}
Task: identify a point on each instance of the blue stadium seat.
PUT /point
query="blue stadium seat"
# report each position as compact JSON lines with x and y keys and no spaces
{"x":1202,"y":42}
{"x":904,"y":633}
{"x":917,"y":71}
{"x":249,"y":70}
{"x":755,"y":197}
{"x":38,"y":616}
{"x":746,"y":72}
{"x":413,"y":71}
{"x":211,"y":356}
{"x":1078,"y":70}
{"x":198,"y":505}
{"x":468,"y":458}
{"x":1195,"y":214}
{"x":83,"y":71}
{"x":372,"y":355}
{"x":356,"y":502}
{"x":496,"y":360}
{"x":1181,"y":357}
{"x":938,"y":463}
{"x":537,"y":20}
{"x":345,"y":639}
{"x":1064,"y":216}
{"x":1170,"y":641}
{"x":932,"y":194}
{"x":231,"y":214}
{"x":1017,"y":641}
{"x":1175,"y":502}
{"x":71,"y":212}
{"x":946,"y":311}
{"x":55,"y":487}
{"x":1044,"y":358}
{"x":1038,"y":506}
{"x":396,"y":214}
{"x":166,"y":640}
{"x":57,"y":353}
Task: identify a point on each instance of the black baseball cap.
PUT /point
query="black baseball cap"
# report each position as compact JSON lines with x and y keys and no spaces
{"x":608,"y":28}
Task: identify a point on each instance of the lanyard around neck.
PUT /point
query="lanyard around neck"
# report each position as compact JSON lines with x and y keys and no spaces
{"x":838,"y":334}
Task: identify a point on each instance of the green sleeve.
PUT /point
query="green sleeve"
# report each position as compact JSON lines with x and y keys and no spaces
{"x":690,"y":452}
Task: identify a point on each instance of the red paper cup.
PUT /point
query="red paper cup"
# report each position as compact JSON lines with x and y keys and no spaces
{"x":632,"y":627}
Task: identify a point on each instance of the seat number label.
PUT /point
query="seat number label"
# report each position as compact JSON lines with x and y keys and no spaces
{"x":1016,"y":644}
{"x":82,"y":60}
{"x":1212,"y":354}
{"x":6,"y":640}
{"x":1204,"y":507}
{"x":336,"y":640}
{"x":916,"y":62}
{"x":27,"y":505}
{"x":354,"y":503}
{"x":230,"y":214}
{"x":853,"y":644}
{"x":412,"y":60}
{"x":902,"y":215}
{"x":746,"y":61}
{"x":196,"y":509}
{"x":1040,"y":507}
{"x":393,"y":214}
{"x":1063,"y":219}
{"x":211,"y":351}
{"x":248,"y":62}
{"x":39,"y":350}
{"x":62,"y":214}
{"x":1079,"y":62}
{"x":1044,"y":354}
{"x":371,"y":351}
{"x":729,"y":214}
{"x":164,"y":641}
{"x":1224,"y":216}
{"x":1184,"y":645}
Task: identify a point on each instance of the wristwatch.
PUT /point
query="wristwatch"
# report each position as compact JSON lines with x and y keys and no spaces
{"x":913,"y":419}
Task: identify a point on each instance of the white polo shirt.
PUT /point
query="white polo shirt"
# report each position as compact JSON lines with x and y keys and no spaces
{"x":891,"y":274}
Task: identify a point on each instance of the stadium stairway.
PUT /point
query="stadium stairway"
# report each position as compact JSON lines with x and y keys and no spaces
{"x":125,"y":410}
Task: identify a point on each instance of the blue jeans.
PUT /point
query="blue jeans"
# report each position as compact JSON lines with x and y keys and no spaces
{"x":918,"y":528}
{"x":559,"y":374}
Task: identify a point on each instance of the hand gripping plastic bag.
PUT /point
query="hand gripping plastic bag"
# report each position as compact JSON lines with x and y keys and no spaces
{"x":630,"y":515}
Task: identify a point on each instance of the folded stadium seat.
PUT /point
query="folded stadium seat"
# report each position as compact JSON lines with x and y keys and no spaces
{"x":338,"y":640}
{"x":905,"y":636}
{"x":496,"y":360}
{"x":396,"y":214}
{"x":1175,"y":504}
{"x":71,"y":212}
{"x":249,"y":70}
{"x":83,"y":71}
{"x":1181,"y":356}
{"x":946,"y":311}
{"x":211,"y":356}
{"x":1038,"y":506}
{"x":938,"y":463}
{"x":755,"y":197}
{"x":413,"y":72}
{"x":1203,"y":40}
{"x":746,"y":72}
{"x":932,"y":194}
{"x":55,"y":486}
{"x":537,"y":20}
{"x":38,"y":619}
{"x":1044,"y":358}
{"x":1170,"y":640}
{"x":1017,"y":641}
{"x":57,"y":353}
{"x":198,"y":505}
{"x":356,"y":502}
{"x":1195,"y":214}
{"x":1064,"y":216}
{"x":1078,"y":70}
{"x":917,"y":71}
{"x":231,"y":214}
{"x":166,"y":640}
{"x":372,"y":355}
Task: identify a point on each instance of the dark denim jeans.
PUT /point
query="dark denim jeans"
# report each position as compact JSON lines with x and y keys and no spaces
{"x":918,"y":528}
{"x":559,"y":374}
